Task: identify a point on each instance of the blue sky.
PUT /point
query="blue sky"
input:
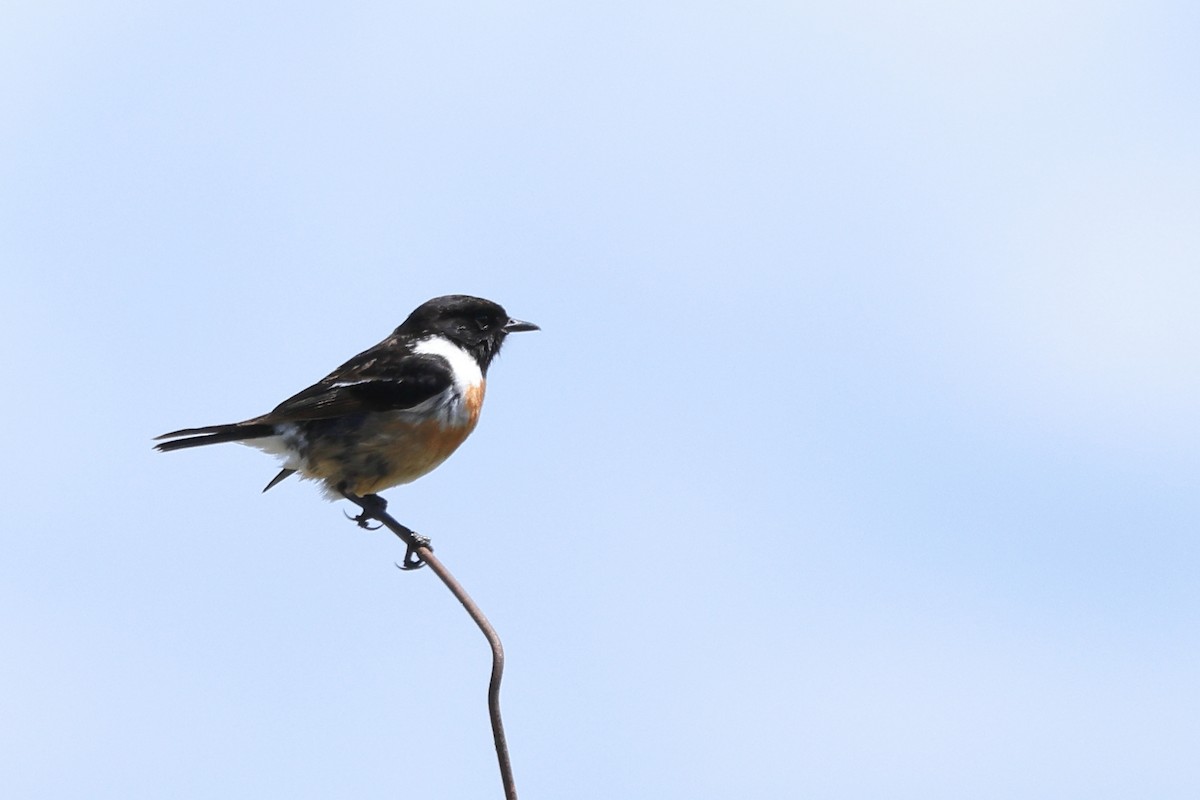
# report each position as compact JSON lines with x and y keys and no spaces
{"x":857,"y":456}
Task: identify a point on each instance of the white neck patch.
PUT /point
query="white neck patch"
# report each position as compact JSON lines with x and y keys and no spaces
{"x":462,"y":365}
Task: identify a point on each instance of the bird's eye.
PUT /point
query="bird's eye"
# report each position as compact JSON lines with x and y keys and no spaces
{"x":483,"y":322}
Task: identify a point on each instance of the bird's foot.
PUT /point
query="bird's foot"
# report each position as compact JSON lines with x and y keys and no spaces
{"x":411,"y":559}
{"x":372,"y":506}
{"x":375,"y":507}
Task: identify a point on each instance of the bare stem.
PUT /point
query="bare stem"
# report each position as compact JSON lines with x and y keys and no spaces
{"x":422,"y":551}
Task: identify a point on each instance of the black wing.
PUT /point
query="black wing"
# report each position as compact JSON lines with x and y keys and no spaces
{"x":386,"y":377}
{"x":380,"y":383}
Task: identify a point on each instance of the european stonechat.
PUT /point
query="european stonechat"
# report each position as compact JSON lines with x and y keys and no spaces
{"x":387,"y":416}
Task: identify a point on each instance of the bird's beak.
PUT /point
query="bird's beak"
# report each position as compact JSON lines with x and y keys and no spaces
{"x":516,"y":326}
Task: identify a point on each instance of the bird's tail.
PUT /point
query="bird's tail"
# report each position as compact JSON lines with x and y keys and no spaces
{"x":213,"y":434}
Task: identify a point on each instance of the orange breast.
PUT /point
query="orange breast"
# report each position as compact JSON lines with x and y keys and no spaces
{"x":473,"y":399}
{"x":399,"y":451}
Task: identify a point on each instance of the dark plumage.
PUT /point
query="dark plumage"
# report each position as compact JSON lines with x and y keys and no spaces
{"x":390,"y":414}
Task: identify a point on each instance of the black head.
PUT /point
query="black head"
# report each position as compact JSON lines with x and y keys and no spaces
{"x":479,"y":326}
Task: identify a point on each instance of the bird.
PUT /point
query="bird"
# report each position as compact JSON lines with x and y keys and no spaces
{"x":386,"y":417}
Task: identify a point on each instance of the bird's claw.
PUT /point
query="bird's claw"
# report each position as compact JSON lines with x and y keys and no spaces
{"x":411,"y":559}
{"x":372,"y":506}
{"x":362,"y":520}
{"x":375,"y":507}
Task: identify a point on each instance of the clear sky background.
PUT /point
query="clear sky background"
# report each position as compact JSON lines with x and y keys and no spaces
{"x":857,"y":457}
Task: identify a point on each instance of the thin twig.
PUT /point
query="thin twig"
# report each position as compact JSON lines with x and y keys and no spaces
{"x":420,"y":547}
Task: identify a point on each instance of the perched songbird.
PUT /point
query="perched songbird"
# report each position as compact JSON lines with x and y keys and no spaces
{"x":390,"y":414}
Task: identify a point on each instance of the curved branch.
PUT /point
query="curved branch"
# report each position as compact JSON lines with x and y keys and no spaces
{"x":420,"y":547}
